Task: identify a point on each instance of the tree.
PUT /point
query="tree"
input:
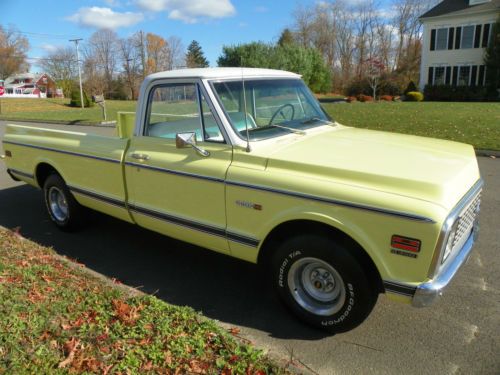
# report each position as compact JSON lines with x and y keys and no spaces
{"x":101,"y":51}
{"x":61,"y":65}
{"x":13,"y":48}
{"x":195,"y":57}
{"x":131,"y":60}
{"x":374,"y":70}
{"x":286,"y":38}
{"x":492,"y":61}
{"x":158,"y":53}
{"x":292,"y":57}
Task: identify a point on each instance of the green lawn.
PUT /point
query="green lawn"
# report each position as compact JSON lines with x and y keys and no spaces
{"x":59,"y":110}
{"x":474,"y":123}
{"x":56,"y":319}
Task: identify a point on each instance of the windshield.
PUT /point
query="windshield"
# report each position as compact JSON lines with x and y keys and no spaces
{"x":273,"y":107}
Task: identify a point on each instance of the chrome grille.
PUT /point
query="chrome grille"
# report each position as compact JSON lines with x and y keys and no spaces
{"x":463,"y":227}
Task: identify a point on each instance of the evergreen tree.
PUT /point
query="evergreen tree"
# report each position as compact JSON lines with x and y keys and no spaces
{"x":492,"y":61}
{"x":286,"y":38}
{"x":195,"y":57}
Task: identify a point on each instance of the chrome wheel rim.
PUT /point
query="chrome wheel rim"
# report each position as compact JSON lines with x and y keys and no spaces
{"x":58,"y":204}
{"x":316,"y":286}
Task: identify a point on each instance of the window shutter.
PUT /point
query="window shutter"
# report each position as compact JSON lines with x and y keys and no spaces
{"x":480,"y":81}
{"x":477,"y":37}
{"x":455,"y":76}
{"x":473,"y":75}
{"x":486,"y":33}
{"x":433,"y":39}
{"x":451,"y":33}
{"x":458,"y":38}
{"x":430,"y":78}
{"x":448,"y":75}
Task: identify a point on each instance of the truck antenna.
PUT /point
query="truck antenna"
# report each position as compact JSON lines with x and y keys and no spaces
{"x":248,"y":149}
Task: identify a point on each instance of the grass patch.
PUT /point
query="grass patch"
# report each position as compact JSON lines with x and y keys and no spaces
{"x":59,"y":110}
{"x":473,"y":123}
{"x":56,"y":319}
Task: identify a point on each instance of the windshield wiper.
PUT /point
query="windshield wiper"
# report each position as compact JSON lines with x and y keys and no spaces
{"x":296,"y":131}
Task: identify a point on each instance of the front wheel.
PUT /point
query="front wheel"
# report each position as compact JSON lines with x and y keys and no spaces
{"x":323,"y":282}
{"x":64,"y":211}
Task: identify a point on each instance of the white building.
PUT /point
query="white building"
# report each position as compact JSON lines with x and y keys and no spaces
{"x":455,"y":36}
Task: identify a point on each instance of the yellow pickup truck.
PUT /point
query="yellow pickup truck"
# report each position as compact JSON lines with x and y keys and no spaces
{"x":246,"y":162}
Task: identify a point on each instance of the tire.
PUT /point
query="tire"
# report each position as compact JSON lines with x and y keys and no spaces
{"x":64,"y":211}
{"x":323,"y":282}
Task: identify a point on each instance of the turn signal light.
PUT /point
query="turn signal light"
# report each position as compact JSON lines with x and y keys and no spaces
{"x":405,"y":243}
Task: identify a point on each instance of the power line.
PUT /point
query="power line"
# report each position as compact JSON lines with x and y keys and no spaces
{"x":44,"y":35}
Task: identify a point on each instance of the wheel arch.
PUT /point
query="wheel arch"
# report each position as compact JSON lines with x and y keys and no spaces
{"x":44,"y":170}
{"x":282,"y":231}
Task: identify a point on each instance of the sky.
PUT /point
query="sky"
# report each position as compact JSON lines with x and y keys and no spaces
{"x":213,"y":23}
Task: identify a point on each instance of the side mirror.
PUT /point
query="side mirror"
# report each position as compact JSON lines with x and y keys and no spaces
{"x":183,"y":140}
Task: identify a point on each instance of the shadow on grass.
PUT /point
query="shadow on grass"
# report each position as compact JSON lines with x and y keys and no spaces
{"x":221,"y":287}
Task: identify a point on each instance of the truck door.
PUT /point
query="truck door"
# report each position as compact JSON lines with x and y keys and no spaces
{"x":175,"y":189}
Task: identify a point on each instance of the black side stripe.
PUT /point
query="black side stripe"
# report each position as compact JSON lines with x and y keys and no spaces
{"x":399,"y":288}
{"x":170,"y":171}
{"x":179,"y":221}
{"x":334,"y":201}
{"x":220,"y":232}
{"x":242,"y":239}
{"x":21,"y":173}
{"x":91,"y":194}
{"x":63,"y":152}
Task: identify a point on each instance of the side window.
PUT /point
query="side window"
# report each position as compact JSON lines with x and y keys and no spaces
{"x":173,"y":109}
{"x":212,"y":131}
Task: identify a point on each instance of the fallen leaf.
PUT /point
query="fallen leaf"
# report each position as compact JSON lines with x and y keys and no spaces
{"x":234,"y":330}
{"x":70,"y":349}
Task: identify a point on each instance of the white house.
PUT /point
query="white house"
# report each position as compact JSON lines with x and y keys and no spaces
{"x":455,"y":36}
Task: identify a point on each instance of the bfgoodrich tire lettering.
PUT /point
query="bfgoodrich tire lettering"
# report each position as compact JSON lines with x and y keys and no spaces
{"x":323,"y":282}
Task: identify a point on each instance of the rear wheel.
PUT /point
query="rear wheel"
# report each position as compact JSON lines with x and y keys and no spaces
{"x":323,"y":282}
{"x":64,"y":211}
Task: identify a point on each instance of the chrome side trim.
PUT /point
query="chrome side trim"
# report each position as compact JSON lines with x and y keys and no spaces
{"x":398,"y":288}
{"x":448,"y":224}
{"x":428,"y":292}
{"x":63,"y":152}
{"x":399,"y":214}
{"x":214,"y":231}
{"x":12,"y":171}
{"x":171,"y":171}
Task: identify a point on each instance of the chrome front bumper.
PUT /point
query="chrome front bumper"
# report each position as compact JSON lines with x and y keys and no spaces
{"x":428,"y":292}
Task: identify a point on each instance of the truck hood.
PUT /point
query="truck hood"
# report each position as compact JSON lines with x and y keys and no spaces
{"x":437,"y":171}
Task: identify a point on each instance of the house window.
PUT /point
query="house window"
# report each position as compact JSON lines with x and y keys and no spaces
{"x":442,"y":39}
{"x":486,"y":35}
{"x":439,"y":75}
{"x":467,"y":36}
{"x":464,"y":76}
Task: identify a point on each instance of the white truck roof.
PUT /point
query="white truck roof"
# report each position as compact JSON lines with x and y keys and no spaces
{"x":222,"y":73}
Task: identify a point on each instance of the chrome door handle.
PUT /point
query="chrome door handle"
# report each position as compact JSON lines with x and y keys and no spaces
{"x":140,"y":156}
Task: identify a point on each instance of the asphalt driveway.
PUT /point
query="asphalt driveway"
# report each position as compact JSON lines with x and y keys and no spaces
{"x":458,"y":335}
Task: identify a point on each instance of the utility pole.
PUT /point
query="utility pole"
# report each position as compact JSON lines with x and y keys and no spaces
{"x":79,"y":70}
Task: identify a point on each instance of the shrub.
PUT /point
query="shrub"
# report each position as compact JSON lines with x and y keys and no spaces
{"x":76,"y":101}
{"x":414,"y":96}
{"x":365,"y":98}
{"x":361,"y":86}
{"x":411,"y":87}
{"x":386,"y":98}
{"x":455,"y":93}
{"x":350,"y":99}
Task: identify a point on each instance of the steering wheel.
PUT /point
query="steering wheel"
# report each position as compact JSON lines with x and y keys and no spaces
{"x":280,"y":110}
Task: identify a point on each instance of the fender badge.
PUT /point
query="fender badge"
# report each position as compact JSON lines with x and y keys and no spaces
{"x":245,"y":204}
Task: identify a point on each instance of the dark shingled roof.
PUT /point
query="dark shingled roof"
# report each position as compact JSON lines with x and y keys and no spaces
{"x":460,"y":7}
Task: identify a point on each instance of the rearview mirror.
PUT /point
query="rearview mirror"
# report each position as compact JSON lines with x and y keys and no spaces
{"x":183,"y":140}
